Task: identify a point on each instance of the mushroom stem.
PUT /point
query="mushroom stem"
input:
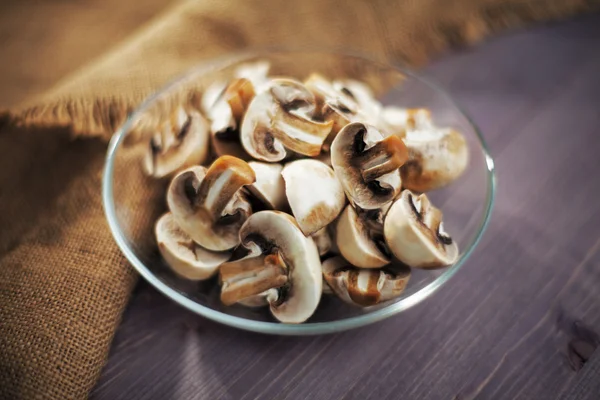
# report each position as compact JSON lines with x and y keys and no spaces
{"x":384,"y":157}
{"x":223,"y":179}
{"x":239,"y":93}
{"x":251,"y":276}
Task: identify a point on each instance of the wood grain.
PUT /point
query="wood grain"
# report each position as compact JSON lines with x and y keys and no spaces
{"x":518,"y":321}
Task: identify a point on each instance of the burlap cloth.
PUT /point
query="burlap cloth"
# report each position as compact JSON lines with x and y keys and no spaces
{"x":63,"y":281}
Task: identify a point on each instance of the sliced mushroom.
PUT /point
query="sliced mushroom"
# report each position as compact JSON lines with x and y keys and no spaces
{"x":181,"y":142}
{"x":362,"y":94}
{"x":281,"y":118}
{"x":359,"y":245}
{"x":414,"y":233}
{"x":367,"y":164}
{"x":269,"y":187}
{"x":225,"y":114}
{"x":182,"y":254}
{"x":324,"y":90}
{"x":208,"y":204}
{"x":281,"y":258}
{"x":364,"y":287}
{"x":436,"y":157}
{"x":315,"y":195}
{"x":322,"y":239}
{"x":398,"y":121}
{"x":256,"y":72}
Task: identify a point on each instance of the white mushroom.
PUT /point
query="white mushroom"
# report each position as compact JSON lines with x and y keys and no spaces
{"x":361,"y":246}
{"x":398,"y":121}
{"x":415,"y":234}
{"x":180,"y":142}
{"x":281,"y":258}
{"x":364,"y":287}
{"x":281,"y":119}
{"x":182,"y":254}
{"x":340,"y":105}
{"x":436,"y":157}
{"x":225,"y":113}
{"x":367,"y":164}
{"x":269,"y":187}
{"x":315,"y":195}
{"x":362,"y":94}
{"x":256,"y":72}
{"x":323,"y":241}
{"x":208,"y":204}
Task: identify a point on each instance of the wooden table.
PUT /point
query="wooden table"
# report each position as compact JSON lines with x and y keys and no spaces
{"x":518,"y":321}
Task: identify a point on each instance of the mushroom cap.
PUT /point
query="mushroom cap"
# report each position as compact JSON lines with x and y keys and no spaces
{"x":280,"y":118}
{"x":364,"y":287}
{"x":207,"y":203}
{"x":414,"y":233}
{"x":182,"y":254}
{"x":436,"y":158}
{"x":315,"y":195}
{"x":355,"y":242}
{"x":367,"y":164}
{"x":300,"y":254}
{"x":181,"y":142}
{"x":269,"y":187}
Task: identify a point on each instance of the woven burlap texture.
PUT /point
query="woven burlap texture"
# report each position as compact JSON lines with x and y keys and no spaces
{"x":63,"y":281}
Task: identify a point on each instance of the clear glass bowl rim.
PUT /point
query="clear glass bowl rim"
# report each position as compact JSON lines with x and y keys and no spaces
{"x":275,"y":327}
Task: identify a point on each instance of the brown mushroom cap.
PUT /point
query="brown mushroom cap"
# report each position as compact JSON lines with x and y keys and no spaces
{"x":367,"y":164}
{"x":364,"y":287}
{"x":282,"y":258}
{"x":208,"y":204}
{"x":356,"y":243}
{"x":182,"y":254}
{"x":315,"y":195}
{"x":181,"y":142}
{"x":280,"y":118}
{"x":414,"y":233}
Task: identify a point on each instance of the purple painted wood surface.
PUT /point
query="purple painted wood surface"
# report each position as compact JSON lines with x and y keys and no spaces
{"x":518,"y":321}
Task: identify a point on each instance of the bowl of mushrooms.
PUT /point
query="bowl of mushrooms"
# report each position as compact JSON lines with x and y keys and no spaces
{"x":298,"y":192}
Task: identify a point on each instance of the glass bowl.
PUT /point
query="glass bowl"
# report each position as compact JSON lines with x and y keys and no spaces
{"x":133,"y":202}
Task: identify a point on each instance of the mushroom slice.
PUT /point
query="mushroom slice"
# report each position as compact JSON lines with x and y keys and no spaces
{"x":181,"y":142}
{"x":281,"y":258}
{"x":269,"y":187}
{"x":362,"y":94}
{"x":281,"y":118}
{"x":414,"y":233}
{"x":322,"y":239}
{"x":225,"y":114}
{"x":397,"y":121}
{"x":367,"y":164}
{"x":207,"y":203}
{"x":182,"y":254}
{"x":360,"y":246}
{"x":324,"y":90}
{"x":364,"y":287}
{"x":256,"y":72}
{"x":436,"y":157}
{"x":315,"y":195}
